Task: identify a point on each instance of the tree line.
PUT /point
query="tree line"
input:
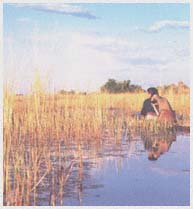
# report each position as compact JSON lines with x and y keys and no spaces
{"x":113,"y":86}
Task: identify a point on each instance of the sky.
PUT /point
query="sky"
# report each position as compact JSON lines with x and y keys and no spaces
{"x":81,"y":46}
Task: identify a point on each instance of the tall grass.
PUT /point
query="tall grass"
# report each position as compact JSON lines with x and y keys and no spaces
{"x":35,"y":126}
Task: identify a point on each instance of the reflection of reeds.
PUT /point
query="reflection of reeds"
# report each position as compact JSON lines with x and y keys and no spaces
{"x":34,"y":123}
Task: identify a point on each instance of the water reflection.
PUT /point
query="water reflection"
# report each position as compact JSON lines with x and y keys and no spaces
{"x":98,"y":172}
{"x":124,"y":161}
{"x":124,"y":168}
{"x":157,"y":145}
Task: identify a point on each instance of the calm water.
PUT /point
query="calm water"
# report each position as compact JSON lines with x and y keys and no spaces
{"x":120,"y":173}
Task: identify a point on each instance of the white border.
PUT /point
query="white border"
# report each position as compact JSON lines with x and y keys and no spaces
{"x":94,"y":1}
{"x":191,"y":102}
{"x":1,"y":102}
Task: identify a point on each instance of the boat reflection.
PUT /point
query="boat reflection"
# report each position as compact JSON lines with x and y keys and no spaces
{"x":158,"y":144}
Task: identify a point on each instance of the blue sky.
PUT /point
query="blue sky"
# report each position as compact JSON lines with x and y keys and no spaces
{"x":80,"y":46}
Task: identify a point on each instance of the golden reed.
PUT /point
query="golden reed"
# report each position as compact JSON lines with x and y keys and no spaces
{"x":34,"y":122}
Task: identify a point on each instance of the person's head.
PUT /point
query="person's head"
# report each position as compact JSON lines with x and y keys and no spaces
{"x":152,"y":91}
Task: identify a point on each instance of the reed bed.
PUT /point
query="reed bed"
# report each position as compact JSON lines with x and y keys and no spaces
{"x":39,"y":128}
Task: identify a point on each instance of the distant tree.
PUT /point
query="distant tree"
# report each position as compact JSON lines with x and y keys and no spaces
{"x":63,"y":92}
{"x":72,"y":92}
{"x":112,"y":86}
{"x":66,"y":92}
{"x":173,"y":88}
{"x":135,"y":88}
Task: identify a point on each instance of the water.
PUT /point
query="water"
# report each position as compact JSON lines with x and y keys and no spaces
{"x":119,"y":173}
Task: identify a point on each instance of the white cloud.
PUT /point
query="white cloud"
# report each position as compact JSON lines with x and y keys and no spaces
{"x":60,"y":8}
{"x":160,"y":25}
{"x":84,"y":61}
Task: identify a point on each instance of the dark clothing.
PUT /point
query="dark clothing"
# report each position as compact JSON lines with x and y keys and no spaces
{"x":147,"y":107}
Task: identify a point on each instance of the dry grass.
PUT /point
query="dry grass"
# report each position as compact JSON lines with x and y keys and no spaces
{"x":35,"y":122}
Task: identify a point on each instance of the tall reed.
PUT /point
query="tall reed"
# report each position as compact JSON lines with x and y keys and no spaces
{"x":36,"y":125}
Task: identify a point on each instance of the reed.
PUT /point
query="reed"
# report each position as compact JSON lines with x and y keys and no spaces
{"x":35,"y":126}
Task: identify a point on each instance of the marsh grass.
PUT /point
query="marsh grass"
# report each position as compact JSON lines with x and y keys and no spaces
{"x":39,"y":127}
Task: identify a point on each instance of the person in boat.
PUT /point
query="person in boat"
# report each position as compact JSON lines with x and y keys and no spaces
{"x":148,"y":111}
{"x":165,"y":113}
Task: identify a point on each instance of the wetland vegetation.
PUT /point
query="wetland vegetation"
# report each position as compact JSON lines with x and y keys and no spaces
{"x":52,"y":142}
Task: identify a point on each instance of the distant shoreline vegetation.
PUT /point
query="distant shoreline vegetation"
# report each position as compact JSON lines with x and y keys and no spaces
{"x":113,"y":86}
